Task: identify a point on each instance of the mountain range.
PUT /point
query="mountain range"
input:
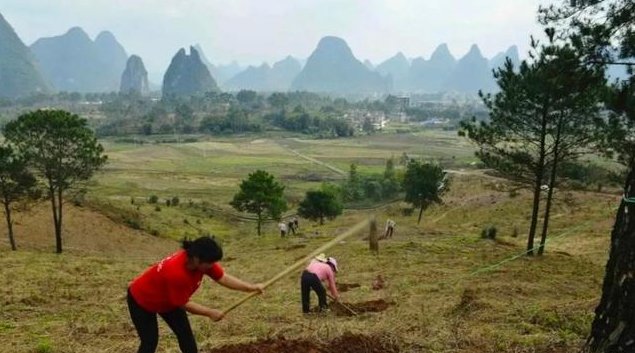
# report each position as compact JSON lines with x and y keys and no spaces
{"x":73,"y":62}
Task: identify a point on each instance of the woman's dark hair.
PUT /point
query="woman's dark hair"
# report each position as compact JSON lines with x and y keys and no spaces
{"x":206,"y":249}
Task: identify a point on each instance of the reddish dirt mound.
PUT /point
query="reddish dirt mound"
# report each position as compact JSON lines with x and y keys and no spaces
{"x":277,"y":345}
{"x":373,"y":306}
{"x":348,"y":343}
{"x":345,"y":287}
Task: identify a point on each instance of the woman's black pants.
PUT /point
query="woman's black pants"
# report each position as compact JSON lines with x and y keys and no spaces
{"x":310,"y":281}
{"x":148,"y":330}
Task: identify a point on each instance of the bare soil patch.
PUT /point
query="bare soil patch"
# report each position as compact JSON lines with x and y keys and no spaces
{"x":372,"y":306}
{"x":347,"y":343}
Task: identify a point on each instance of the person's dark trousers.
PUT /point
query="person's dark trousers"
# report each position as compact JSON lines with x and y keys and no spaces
{"x":310,"y":281}
{"x":291,"y":227}
{"x":148,"y":330}
{"x":389,"y":232}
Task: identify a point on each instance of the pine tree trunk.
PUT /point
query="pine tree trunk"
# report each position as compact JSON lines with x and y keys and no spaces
{"x":7,"y":213}
{"x":58,"y":222}
{"x":534,"y":217}
{"x":613,"y":329}
{"x":545,"y":222}
{"x":539,"y":176}
{"x":420,"y":214}
{"x":552,"y":184}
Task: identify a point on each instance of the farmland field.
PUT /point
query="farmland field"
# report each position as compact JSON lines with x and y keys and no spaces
{"x":446,"y":289}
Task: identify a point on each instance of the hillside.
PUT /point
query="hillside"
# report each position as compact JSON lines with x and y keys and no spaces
{"x":19,"y":72}
{"x":446,"y":289}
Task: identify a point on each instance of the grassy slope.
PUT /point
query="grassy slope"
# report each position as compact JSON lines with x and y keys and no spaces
{"x":74,"y":302}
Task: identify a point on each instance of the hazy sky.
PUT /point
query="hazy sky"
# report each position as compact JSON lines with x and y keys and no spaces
{"x":253,"y":31}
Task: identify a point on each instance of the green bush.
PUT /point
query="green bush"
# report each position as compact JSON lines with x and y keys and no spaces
{"x":489,"y":232}
{"x":44,"y":346}
{"x":153,"y":199}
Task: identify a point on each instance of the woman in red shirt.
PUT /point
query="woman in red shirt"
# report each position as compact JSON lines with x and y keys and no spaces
{"x":166,"y":287}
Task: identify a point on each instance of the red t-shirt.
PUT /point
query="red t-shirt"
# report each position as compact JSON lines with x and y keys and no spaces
{"x":168,"y":284}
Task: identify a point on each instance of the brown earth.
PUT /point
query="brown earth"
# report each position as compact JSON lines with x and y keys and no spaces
{"x":345,"y":287}
{"x":372,"y":306}
{"x":84,"y":231}
{"x":347,"y":343}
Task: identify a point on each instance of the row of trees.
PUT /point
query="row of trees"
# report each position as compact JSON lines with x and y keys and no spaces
{"x":46,"y":150}
{"x":261,"y":194}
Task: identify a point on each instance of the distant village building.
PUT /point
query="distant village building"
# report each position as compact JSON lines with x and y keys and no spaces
{"x":357,"y":117}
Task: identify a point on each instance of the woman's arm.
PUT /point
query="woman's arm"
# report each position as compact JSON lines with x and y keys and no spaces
{"x":198,"y":309}
{"x":232,"y":282}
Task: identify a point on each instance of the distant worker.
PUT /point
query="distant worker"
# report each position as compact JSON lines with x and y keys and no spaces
{"x":165,"y":290}
{"x":390,"y":228}
{"x":295,"y":223}
{"x":283,"y":229}
{"x":320,"y":269}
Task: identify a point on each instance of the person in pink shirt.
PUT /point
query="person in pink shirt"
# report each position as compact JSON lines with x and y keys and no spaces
{"x":320,"y":269}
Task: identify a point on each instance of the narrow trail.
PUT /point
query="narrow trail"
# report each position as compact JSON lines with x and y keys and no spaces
{"x":313,"y":160}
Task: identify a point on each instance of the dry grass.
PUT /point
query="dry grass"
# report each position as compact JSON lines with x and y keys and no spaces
{"x":74,"y":302}
{"x":444,"y":302}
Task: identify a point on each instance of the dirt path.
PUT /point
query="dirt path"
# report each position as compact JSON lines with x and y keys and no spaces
{"x":313,"y":160}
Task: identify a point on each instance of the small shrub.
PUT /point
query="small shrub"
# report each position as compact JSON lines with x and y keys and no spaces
{"x":79,"y":198}
{"x":132,"y":222}
{"x":198,"y":221}
{"x":167,"y":202}
{"x":157,"y":208}
{"x":44,"y":347}
{"x":407,"y":211}
{"x":153,"y":199}
{"x":175,"y":201}
{"x":489,"y":232}
{"x":185,"y":221}
{"x":515,"y":232}
{"x":154,"y":232}
{"x":513,"y":193}
{"x":132,"y":200}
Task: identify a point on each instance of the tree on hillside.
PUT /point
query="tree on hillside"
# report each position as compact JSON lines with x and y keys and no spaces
{"x":262,"y":195}
{"x":16,"y":183}
{"x":61,"y":149}
{"x":424,"y":184}
{"x":353,"y":187}
{"x":390,"y":184}
{"x":577,"y":92}
{"x":593,"y":27}
{"x":278,"y":100}
{"x":320,"y":204}
{"x":246,"y":97}
{"x":542,"y":115}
